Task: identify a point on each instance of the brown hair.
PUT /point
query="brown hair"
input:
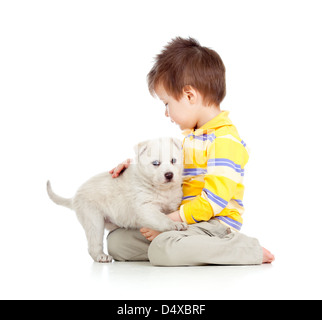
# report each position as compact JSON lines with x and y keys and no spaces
{"x":185,"y":62}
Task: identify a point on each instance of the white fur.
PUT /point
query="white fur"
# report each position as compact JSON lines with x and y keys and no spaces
{"x":139,"y":197}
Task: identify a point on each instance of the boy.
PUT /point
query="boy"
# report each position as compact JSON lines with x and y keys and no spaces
{"x":190,"y":80}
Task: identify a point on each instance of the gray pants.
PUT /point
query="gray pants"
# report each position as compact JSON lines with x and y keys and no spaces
{"x":202,"y":244}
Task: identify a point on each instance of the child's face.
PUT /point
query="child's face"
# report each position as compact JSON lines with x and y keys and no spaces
{"x":182,"y":112}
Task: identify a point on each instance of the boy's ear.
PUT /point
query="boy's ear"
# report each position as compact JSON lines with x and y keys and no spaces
{"x":190,"y":93}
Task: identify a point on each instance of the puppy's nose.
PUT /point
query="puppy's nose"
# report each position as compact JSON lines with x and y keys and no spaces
{"x":168,"y":175}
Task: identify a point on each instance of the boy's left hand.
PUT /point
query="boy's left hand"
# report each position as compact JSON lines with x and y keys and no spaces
{"x":149,"y":234}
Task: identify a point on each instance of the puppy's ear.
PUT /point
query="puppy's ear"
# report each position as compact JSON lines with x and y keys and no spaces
{"x":177,"y":143}
{"x":140,"y":148}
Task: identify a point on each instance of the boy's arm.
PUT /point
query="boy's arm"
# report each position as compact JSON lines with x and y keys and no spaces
{"x":225,"y":169}
{"x":214,"y":198}
{"x":175,"y":216}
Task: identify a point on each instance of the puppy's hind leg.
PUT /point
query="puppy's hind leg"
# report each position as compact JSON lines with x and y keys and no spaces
{"x":93,"y":224}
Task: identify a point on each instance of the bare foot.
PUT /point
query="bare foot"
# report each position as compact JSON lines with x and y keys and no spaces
{"x":149,"y":234}
{"x":267,"y":256}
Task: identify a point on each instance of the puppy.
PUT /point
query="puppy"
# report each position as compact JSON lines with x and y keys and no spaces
{"x":141,"y":197}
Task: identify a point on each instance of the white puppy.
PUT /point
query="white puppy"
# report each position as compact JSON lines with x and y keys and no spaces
{"x":140,"y":197}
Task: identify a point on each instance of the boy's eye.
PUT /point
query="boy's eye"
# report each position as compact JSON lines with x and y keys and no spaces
{"x":156,"y":163}
{"x":173,"y":161}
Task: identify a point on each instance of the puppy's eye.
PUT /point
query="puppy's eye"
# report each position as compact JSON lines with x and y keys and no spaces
{"x":173,"y":161}
{"x":156,"y":163}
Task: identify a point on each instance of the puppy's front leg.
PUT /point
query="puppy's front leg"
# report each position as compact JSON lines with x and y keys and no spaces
{"x":151,"y":217}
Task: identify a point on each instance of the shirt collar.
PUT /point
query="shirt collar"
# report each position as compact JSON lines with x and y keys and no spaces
{"x":215,"y":123}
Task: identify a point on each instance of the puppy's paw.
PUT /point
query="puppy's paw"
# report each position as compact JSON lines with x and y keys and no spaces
{"x":103,"y":258}
{"x":181,"y":226}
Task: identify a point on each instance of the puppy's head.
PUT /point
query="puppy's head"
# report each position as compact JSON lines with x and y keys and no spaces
{"x":160,"y":160}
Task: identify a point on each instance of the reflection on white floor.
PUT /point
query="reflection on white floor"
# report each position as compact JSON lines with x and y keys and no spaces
{"x":83,"y":279}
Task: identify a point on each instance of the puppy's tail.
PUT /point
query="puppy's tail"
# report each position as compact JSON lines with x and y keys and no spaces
{"x":57,"y":199}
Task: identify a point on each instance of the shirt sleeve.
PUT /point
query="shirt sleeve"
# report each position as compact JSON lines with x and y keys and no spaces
{"x":226,"y":159}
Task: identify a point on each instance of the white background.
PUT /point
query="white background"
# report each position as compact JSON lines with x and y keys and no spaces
{"x":74,"y":101}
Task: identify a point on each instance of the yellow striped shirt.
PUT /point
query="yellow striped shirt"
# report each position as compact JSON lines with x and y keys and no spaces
{"x":214,"y":161}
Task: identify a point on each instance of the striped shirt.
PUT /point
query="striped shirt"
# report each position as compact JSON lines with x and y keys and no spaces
{"x":214,"y":161}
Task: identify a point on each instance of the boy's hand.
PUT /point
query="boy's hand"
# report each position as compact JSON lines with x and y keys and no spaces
{"x":149,"y":234}
{"x":120,"y":168}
